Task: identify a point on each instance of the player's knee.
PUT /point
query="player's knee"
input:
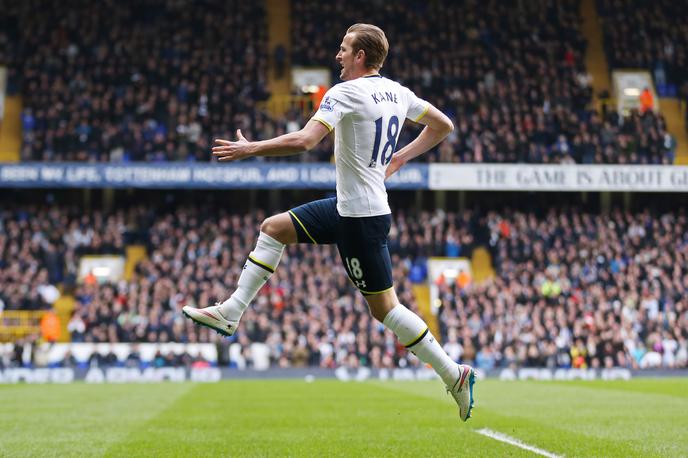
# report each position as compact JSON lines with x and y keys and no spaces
{"x":279,"y":228}
{"x":270,"y":226}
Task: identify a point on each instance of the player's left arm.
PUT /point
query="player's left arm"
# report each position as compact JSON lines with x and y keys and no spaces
{"x":437,"y":127}
{"x":284,"y":145}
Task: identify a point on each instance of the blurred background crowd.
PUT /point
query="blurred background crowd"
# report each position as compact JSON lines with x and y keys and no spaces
{"x":571,"y":288}
{"x":648,"y":35}
{"x":158,"y":81}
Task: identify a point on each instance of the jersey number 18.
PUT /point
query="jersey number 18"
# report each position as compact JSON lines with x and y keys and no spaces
{"x":391,"y":144}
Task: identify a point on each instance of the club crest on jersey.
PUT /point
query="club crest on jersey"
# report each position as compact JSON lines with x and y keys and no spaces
{"x":328,"y":104}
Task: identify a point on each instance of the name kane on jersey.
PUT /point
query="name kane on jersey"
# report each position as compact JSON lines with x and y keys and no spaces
{"x":384,"y":97}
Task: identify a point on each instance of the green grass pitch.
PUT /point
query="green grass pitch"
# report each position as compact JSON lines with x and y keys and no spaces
{"x":642,"y":417}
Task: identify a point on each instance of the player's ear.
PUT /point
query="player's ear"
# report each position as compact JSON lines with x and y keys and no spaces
{"x":361,"y":56}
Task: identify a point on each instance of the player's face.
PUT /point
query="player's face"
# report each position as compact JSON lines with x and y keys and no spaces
{"x":346,"y":58}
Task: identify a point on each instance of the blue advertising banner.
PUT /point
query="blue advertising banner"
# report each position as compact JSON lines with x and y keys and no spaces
{"x":190,"y":176}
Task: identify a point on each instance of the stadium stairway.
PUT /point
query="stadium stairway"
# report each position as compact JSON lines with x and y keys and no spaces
{"x":11,"y":130}
{"x":134,"y":255}
{"x":481,"y":265}
{"x":422,"y":294}
{"x":279,"y":33}
{"x":63,"y":308}
{"x":595,"y":57}
{"x":673,"y":115}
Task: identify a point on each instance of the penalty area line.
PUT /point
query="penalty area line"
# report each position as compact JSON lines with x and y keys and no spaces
{"x":515,"y":442}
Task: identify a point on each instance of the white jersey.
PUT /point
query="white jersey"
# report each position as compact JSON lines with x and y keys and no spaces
{"x":367,"y":115}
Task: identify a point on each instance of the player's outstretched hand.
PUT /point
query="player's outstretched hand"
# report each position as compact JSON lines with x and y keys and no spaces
{"x":394,"y":165}
{"x":225,"y":150}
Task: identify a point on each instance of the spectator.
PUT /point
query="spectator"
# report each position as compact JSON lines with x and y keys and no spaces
{"x":647,"y":102}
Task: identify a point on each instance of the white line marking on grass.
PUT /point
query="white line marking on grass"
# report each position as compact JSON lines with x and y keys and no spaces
{"x":515,"y":442}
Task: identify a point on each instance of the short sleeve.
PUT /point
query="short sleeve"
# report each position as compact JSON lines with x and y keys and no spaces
{"x":334,"y":106}
{"x":417,"y":107}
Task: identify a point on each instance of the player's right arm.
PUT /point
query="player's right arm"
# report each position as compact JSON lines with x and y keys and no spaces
{"x":284,"y":145}
{"x":334,"y":107}
{"x":437,"y":127}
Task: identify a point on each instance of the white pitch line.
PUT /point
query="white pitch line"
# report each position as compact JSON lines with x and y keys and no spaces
{"x":515,"y":442}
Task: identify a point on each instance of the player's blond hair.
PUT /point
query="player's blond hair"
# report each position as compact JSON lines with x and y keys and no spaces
{"x":372,"y":40}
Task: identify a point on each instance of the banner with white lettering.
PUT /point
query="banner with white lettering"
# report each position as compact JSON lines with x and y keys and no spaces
{"x":529,"y":177}
{"x":481,"y":177}
{"x":190,"y":176}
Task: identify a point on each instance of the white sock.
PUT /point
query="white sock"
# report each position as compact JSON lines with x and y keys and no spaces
{"x":261,"y":264}
{"x":417,"y":338}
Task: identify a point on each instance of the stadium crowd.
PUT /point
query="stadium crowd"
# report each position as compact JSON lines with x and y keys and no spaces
{"x":39,"y":252}
{"x":514,"y":80}
{"x":572,"y":289}
{"x":151,"y":81}
{"x":650,"y":35}
{"x":135,"y":80}
{"x":577,"y":289}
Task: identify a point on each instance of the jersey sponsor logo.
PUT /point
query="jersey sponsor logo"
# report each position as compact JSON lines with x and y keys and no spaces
{"x":328,"y":104}
{"x":384,"y":97}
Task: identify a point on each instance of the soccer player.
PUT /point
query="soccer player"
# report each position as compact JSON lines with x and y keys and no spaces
{"x":366,"y":112}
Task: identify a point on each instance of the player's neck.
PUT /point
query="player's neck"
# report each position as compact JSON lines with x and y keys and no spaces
{"x":370,"y":73}
{"x":366,"y":74}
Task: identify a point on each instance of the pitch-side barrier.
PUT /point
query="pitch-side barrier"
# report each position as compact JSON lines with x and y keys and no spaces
{"x":215,"y":374}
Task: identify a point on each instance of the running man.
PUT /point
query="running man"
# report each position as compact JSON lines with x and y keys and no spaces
{"x":366,"y":112}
